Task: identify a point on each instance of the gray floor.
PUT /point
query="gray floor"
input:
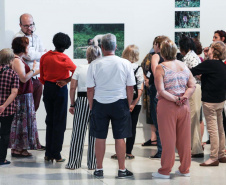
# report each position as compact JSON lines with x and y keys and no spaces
{"x":35,"y":171}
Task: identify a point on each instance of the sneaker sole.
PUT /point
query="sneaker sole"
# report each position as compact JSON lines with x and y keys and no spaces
{"x":124,"y":177}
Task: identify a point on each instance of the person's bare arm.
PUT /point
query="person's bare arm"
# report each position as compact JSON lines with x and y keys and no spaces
{"x":191,"y":87}
{"x":90,"y":95}
{"x":73,"y":87}
{"x":18,"y":66}
{"x":64,"y":82}
{"x":134,"y":102}
{"x":159,"y":74}
{"x":129,"y":92}
{"x":154,"y":62}
{"x":9,"y":100}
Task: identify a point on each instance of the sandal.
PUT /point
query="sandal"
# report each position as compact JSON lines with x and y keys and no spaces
{"x":114,"y":156}
{"x":130,"y":156}
{"x":23,"y":153}
{"x":149,"y":143}
{"x":5,"y":162}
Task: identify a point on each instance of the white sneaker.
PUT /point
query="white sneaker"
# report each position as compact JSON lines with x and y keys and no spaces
{"x":182,"y":174}
{"x":158,"y":175}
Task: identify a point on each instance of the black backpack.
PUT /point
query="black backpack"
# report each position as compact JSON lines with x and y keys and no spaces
{"x":135,"y":90}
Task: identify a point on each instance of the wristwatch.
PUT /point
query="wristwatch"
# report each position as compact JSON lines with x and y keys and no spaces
{"x":33,"y":70}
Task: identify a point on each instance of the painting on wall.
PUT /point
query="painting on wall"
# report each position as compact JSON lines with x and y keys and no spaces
{"x":191,"y":34}
{"x":187,"y":3}
{"x":91,"y":34}
{"x":187,"y":19}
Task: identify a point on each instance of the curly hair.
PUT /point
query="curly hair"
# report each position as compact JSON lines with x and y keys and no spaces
{"x":219,"y":50}
{"x":186,"y":44}
{"x":20,"y":44}
{"x":61,"y":41}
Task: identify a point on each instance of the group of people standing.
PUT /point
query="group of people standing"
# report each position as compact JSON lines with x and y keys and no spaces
{"x":109,"y":88}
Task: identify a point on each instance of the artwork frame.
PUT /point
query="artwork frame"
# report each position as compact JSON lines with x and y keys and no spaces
{"x":191,"y":34}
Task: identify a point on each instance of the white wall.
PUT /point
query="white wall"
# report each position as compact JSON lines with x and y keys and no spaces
{"x":143,"y":19}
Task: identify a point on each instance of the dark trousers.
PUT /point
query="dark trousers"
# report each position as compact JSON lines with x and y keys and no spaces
{"x":224,"y":122}
{"x":130,"y":141}
{"x":37,"y":92}
{"x":55,"y":100}
{"x":5,"y":126}
{"x":153,"y":105}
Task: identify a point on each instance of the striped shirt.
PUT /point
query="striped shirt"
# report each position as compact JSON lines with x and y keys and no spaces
{"x":175,"y":82}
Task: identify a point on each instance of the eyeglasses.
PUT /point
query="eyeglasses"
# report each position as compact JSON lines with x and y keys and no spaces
{"x":29,"y":26}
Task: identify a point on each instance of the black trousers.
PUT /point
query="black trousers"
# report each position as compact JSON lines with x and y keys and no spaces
{"x":55,"y":100}
{"x":130,"y":141}
{"x":5,"y":126}
{"x":224,"y":122}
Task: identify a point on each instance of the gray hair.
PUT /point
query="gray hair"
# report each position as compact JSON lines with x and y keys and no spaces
{"x":92,"y":53}
{"x":6,"y":55}
{"x":108,"y":42}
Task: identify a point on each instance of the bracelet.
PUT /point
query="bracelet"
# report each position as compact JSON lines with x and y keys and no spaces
{"x":33,"y":70}
{"x":72,"y":105}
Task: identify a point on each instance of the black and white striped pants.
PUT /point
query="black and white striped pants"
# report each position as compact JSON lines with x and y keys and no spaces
{"x":80,"y":122}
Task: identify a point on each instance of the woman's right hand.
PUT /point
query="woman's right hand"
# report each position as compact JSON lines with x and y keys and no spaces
{"x":72,"y":110}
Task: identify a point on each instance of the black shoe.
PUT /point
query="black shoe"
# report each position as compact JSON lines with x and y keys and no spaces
{"x":124,"y":174}
{"x":201,"y":155}
{"x":149,"y":143}
{"x":98,"y":173}
{"x":42,"y":148}
{"x":156,"y":156}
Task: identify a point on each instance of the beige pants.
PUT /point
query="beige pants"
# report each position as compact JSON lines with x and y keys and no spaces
{"x":214,"y":120}
{"x":195,"y":106}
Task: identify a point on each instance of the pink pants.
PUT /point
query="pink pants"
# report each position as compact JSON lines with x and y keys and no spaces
{"x":174,"y":124}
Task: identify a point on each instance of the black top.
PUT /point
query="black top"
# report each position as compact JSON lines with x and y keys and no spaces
{"x":213,"y":80}
{"x":151,"y":79}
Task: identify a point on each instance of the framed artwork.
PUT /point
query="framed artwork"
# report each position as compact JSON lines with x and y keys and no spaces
{"x":187,"y":3}
{"x":187,"y":19}
{"x":91,"y":34}
{"x":192,"y":34}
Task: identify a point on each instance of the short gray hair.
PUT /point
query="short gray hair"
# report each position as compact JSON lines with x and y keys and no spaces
{"x":92,"y":53}
{"x":6,"y":55}
{"x":108,"y":42}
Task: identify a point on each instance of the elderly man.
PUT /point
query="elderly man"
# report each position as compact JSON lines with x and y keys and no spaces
{"x":36,"y":50}
{"x":110,"y":82}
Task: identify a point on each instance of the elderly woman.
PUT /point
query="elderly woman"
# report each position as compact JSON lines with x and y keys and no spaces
{"x":213,"y":80}
{"x":131,"y":53}
{"x":54,"y":74}
{"x":24,"y":134}
{"x":191,"y":59}
{"x":80,"y":110}
{"x":175,"y":85}
{"x":9,"y":85}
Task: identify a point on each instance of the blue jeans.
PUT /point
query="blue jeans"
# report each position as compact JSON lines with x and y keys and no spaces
{"x":153,"y":105}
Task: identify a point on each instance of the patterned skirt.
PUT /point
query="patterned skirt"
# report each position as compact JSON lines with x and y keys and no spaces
{"x":24,"y":134}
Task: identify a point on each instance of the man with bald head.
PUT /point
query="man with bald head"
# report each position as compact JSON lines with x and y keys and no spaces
{"x":36,"y":50}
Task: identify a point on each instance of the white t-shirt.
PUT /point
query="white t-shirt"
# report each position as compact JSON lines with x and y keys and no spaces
{"x":140,"y":78}
{"x":110,"y":75}
{"x":80,"y":74}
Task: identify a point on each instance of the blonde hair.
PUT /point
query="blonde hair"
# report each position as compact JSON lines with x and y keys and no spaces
{"x":219,"y":50}
{"x":131,"y":53}
{"x":168,"y":50}
{"x":6,"y":55}
{"x":92,"y":53}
